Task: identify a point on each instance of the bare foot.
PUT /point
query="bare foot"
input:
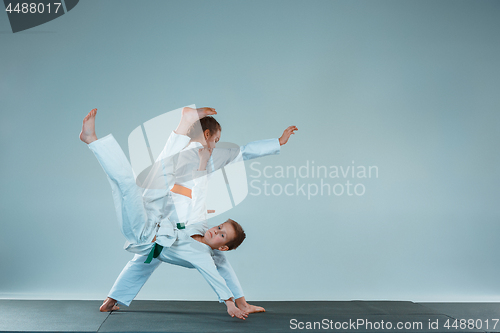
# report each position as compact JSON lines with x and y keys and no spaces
{"x":248,"y":308}
{"x":87,"y":134}
{"x":108,"y":305}
{"x":190,"y":115}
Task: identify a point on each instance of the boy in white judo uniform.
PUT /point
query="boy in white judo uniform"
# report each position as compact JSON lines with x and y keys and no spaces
{"x":173,"y":206}
{"x":193,"y":244}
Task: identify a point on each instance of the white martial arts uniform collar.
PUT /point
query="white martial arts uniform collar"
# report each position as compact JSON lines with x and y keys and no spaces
{"x":194,"y":144}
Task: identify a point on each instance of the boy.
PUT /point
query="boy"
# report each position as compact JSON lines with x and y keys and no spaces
{"x":194,"y":243}
{"x":171,"y":205}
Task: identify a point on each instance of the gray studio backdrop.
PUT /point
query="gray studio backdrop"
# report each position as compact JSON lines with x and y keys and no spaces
{"x":405,"y":89}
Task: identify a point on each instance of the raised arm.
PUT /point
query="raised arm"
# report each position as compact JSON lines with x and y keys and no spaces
{"x":255,"y":149}
{"x":266,"y":147}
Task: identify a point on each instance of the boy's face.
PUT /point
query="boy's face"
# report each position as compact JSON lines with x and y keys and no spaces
{"x":218,"y":236}
{"x":211,"y":140}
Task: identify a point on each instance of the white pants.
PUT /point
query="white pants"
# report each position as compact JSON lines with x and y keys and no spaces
{"x":130,"y":210}
{"x":133,"y":276}
{"x":127,"y":196}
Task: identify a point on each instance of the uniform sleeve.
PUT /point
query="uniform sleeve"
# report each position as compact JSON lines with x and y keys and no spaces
{"x":226,"y":271}
{"x":247,"y":152}
{"x":260,"y":148}
{"x":205,"y":265}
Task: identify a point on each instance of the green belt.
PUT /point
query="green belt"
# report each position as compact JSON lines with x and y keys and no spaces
{"x":157,"y":248}
{"x":155,"y":252}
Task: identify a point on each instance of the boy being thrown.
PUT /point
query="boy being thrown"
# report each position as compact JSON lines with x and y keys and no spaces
{"x":193,"y":245}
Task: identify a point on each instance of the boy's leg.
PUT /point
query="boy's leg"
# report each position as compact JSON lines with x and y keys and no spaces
{"x":87,"y":134}
{"x":126,"y":194}
{"x":130,"y":281}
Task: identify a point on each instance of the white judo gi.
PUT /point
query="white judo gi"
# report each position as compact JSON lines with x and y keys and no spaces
{"x":161,"y":216}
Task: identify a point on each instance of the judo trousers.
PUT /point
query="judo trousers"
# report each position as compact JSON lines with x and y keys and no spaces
{"x":130,"y":210}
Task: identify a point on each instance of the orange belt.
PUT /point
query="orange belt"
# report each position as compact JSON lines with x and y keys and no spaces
{"x":182,"y":190}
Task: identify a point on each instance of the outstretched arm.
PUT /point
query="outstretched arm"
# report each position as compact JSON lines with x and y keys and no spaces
{"x":203,"y":262}
{"x":254,"y":149}
{"x":266,"y":147}
{"x":226,"y":271}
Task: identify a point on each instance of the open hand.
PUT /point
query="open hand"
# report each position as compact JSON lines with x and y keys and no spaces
{"x":286,"y":134}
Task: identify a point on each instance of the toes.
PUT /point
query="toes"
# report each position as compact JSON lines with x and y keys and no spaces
{"x":206,"y":112}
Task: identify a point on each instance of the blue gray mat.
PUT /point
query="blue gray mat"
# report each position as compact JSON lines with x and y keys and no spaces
{"x":191,"y":316}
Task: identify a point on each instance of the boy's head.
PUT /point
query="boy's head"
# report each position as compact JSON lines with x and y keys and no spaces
{"x":207,"y":130}
{"x":226,"y":236}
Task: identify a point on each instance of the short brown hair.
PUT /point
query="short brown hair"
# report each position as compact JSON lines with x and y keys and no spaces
{"x":239,"y":236}
{"x":207,"y":123}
